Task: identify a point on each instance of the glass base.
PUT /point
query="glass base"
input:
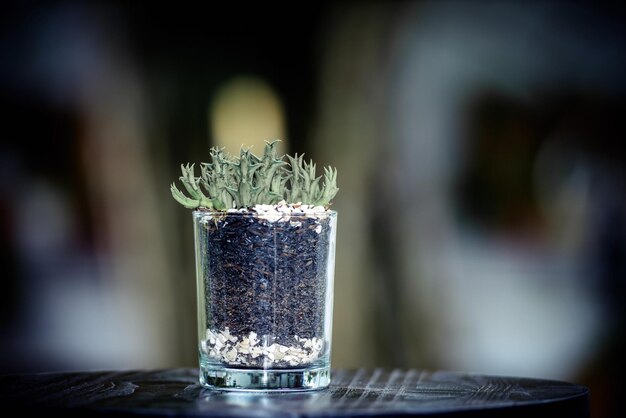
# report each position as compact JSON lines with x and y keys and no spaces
{"x":224,"y":378}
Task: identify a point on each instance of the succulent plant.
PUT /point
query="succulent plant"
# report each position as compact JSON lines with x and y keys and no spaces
{"x":245,"y":181}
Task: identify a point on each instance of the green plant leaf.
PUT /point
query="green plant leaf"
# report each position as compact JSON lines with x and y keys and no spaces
{"x":247,"y":180}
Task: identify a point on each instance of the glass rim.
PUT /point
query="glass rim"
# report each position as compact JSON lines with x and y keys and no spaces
{"x":251,"y":213}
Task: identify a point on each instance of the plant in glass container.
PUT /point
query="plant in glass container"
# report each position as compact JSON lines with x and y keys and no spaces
{"x":265,"y":249}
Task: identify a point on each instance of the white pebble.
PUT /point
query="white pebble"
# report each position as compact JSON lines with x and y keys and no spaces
{"x":231,"y":355}
{"x":237,"y":350}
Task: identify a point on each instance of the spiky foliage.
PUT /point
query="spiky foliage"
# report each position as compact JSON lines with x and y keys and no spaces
{"x":244,"y":181}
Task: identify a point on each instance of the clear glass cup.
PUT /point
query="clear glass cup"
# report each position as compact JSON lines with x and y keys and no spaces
{"x":265,"y":299}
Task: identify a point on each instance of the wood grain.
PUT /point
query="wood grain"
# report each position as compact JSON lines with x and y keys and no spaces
{"x":352,"y":393}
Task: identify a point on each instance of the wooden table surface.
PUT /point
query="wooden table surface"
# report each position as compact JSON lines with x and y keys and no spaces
{"x":363,"y":393}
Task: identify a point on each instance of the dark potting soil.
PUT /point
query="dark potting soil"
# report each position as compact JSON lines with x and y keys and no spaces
{"x":266,"y":277}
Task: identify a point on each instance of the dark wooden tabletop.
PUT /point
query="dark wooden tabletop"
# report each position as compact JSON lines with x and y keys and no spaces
{"x":352,"y":393}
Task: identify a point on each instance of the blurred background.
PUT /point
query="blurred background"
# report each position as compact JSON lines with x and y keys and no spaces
{"x":481,"y":158}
